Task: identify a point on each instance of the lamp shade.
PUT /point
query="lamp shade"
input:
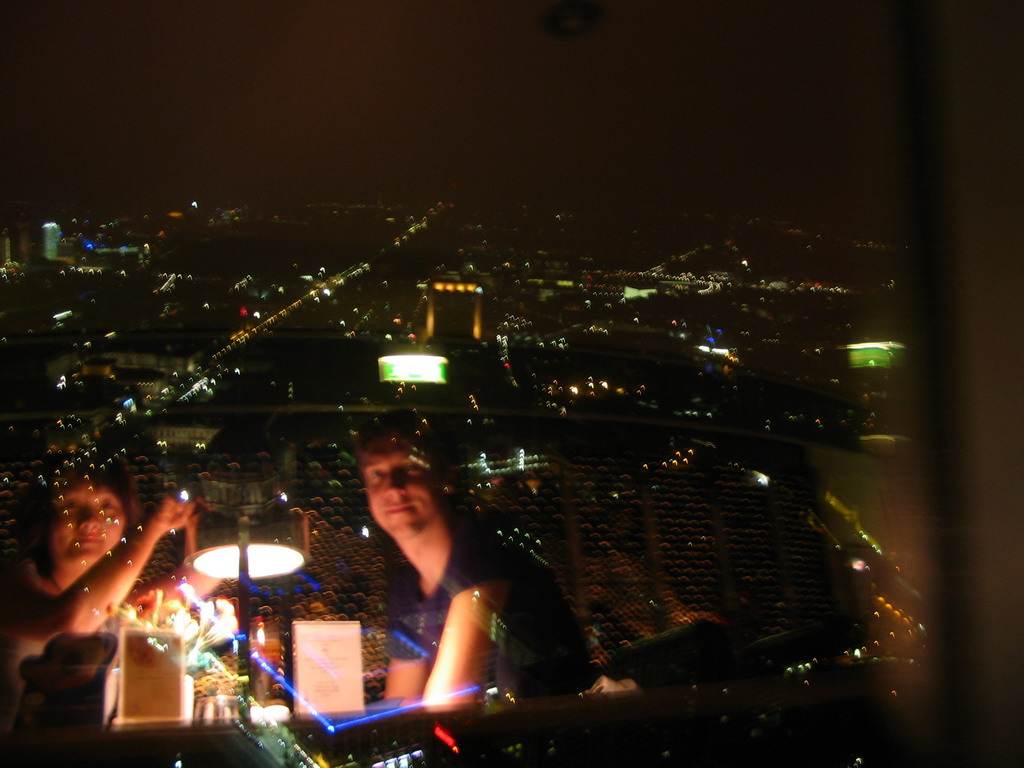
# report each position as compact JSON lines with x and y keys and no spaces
{"x":265,"y":560}
{"x":249,"y":507}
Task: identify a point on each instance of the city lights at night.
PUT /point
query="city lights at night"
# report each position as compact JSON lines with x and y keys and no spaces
{"x":620,"y":385}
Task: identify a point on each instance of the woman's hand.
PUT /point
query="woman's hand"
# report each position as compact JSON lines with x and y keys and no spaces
{"x":172,"y":513}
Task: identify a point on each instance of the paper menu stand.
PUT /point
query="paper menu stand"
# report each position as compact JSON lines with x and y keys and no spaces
{"x":153,"y":684}
{"x":327,"y":660}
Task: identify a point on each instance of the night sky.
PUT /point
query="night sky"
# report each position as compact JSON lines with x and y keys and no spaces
{"x":781,"y":109}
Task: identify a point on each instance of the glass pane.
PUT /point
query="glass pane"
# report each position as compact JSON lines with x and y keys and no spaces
{"x":663,"y":261}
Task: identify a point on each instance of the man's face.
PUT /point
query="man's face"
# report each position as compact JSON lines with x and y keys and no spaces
{"x":405,"y":492}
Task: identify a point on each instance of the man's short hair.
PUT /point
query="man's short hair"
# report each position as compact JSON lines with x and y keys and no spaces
{"x":406,"y":427}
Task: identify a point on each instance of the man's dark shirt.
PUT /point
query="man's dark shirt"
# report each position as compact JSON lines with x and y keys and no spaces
{"x":539,"y":647}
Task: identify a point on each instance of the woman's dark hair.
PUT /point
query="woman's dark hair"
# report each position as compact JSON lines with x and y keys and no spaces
{"x":38,"y":510}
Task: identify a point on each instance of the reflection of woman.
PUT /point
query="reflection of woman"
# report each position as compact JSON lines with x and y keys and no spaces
{"x":84,"y":542}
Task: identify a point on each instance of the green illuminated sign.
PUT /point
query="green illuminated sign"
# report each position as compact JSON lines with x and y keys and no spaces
{"x":884,"y":354}
{"x":419,"y":368}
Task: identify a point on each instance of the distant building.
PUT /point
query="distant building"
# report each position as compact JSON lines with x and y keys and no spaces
{"x":73,"y":433}
{"x":114,"y":361}
{"x":63,"y":365}
{"x":546,"y":266}
{"x":142,"y":381}
{"x":68,"y":249}
{"x":563,"y":291}
{"x":51,"y":241}
{"x":166,"y":361}
{"x":99,"y":366}
{"x":639,"y":292}
{"x":24,"y":242}
{"x":182,"y":436}
{"x":124,"y":255}
{"x":455,"y":305}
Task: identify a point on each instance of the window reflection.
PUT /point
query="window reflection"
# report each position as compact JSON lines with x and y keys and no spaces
{"x":677,"y":328}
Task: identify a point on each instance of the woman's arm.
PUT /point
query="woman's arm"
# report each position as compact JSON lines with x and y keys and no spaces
{"x":466,"y":642}
{"x":34,"y":612}
{"x":201,"y":584}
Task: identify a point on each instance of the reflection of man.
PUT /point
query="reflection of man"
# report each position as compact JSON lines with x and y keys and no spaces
{"x":465,"y":611}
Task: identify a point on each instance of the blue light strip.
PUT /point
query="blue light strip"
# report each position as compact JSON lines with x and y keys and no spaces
{"x":262,"y":663}
{"x":335,"y":726}
{"x":331,"y":726}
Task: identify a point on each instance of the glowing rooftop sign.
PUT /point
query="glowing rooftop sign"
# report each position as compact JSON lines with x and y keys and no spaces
{"x":871,"y":354}
{"x":425,"y":368}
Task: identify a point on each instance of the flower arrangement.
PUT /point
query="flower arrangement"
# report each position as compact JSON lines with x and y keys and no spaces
{"x":204,"y":624}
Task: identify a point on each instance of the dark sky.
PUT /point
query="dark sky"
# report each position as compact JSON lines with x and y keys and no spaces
{"x":763,"y":108}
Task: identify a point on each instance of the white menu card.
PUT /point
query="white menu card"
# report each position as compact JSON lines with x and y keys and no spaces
{"x":328,"y":663}
{"x":152,"y":678}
